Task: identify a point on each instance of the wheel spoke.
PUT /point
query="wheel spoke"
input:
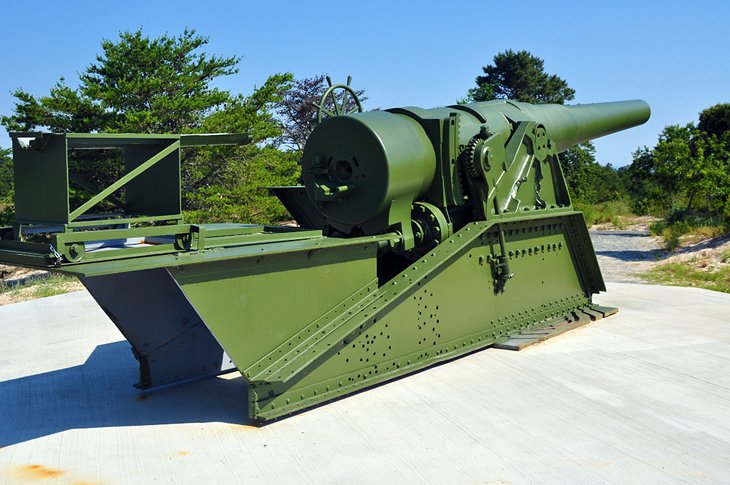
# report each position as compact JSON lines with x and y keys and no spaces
{"x":334,"y":102}
{"x":355,"y":108}
{"x":344,"y":101}
{"x":326,"y":111}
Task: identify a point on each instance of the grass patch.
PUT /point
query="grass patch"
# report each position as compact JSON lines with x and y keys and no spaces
{"x":678,"y":274}
{"x":605,"y":212}
{"x":38,"y":287}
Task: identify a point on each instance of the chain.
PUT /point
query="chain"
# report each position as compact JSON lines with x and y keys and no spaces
{"x":57,"y":256}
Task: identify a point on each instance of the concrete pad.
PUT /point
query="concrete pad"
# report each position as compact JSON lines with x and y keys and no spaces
{"x":640,"y":397}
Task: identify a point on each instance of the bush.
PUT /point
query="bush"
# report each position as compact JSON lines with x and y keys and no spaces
{"x":588,"y":210}
{"x":673,"y":233}
{"x":657,"y":228}
{"x":679,"y":222}
{"x":602,"y":213}
{"x":7,"y":214}
{"x":640,"y":207}
{"x":676,"y":214}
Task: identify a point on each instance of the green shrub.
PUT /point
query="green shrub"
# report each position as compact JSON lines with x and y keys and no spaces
{"x":604,"y":212}
{"x":672,"y":233}
{"x":671,"y":239}
{"x":657,"y":228}
{"x":588,"y":210}
{"x":7,"y":214}
{"x":617,"y":222}
{"x":677,"y":214}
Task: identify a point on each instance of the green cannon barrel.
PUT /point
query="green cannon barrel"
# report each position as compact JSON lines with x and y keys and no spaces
{"x":570,"y":125}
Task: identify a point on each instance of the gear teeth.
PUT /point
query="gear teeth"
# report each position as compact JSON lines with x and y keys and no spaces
{"x":469,"y":162}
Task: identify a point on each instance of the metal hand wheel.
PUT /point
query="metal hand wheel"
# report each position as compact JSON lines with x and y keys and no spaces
{"x":336,"y":101}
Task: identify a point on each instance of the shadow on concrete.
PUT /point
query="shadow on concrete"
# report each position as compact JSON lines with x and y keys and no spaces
{"x":100,"y":393}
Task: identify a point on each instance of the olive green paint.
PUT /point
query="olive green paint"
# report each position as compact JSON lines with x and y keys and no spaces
{"x":424,"y":235}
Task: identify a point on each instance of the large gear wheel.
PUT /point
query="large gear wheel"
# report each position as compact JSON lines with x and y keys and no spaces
{"x":474,"y":154}
{"x":469,"y":164}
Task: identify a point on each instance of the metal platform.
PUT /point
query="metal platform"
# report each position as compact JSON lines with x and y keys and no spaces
{"x":641,"y":397}
{"x":535,"y":335}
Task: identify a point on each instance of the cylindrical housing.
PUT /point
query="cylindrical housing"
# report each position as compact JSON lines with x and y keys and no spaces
{"x":375,"y":157}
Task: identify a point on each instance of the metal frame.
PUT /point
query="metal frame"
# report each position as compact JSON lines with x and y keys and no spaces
{"x":70,"y":230}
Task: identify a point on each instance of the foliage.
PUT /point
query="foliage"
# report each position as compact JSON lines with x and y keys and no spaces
{"x":686,"y":176}
{"x":519,"y":76}
{"x":298,"y":109}
{"x":649,"y":191}
{"x":166,"y":85}
{"x":240,"y":195}
{"x":692,"y":226}
{"x":715,"y":120}
{"x":6,"y":176}
{"x":39,"y":286}
{"x":588,"y":180}
{"x":7,"y":210}
{"x":136,"y":85}
{"x":694,"y":162}
{"x":672,"y":234}
{"x":612,"y":211}
{"x":7,"y":214}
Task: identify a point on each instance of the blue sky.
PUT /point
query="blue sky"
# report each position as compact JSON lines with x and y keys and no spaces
{"x":675,"y":55}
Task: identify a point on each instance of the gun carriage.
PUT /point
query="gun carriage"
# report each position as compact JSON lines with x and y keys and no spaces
{"x":423,"y":234}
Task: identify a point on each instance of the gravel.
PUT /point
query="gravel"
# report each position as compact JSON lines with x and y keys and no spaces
{"x":624,"y":254}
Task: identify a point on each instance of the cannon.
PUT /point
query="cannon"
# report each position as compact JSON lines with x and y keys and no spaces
{"x":422,"y":235}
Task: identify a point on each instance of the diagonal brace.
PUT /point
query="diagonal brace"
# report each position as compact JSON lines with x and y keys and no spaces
{"x":123,"y":181}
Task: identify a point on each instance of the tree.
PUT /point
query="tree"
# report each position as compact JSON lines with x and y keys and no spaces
{"x":695,"y":163}
{"x":298,"y":109}
{"x":687,"y":173}
{"x":6,"y":187}
{"x":520,"y":76}
{"x":227,"y":183}
{"x":649,"y":191}
{"x":6,"y":176}
{"x":139,"y":84}
{"x":588,"y":180}
{"x":715,"y":120}
{"x":579,"y":170}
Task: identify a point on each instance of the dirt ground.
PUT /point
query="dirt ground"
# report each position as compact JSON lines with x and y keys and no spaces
{"x":705,"y":255}
{"x":640,"y":223}
{"x":634,"y":250}
{"x":17,"y":284}
{"x":12,"y":274}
